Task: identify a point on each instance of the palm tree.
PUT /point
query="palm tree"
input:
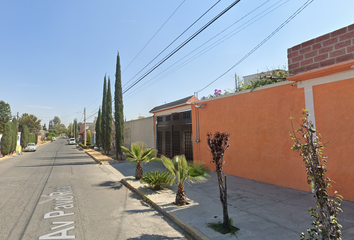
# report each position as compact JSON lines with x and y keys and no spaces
{"x":183,"y":171}
{"x":139,"y":154}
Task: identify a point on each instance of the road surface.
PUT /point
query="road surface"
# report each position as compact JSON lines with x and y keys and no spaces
{"x":58,"y":192}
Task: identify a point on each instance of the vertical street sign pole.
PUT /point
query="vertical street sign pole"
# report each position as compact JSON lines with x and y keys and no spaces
{"x":84,"y":126}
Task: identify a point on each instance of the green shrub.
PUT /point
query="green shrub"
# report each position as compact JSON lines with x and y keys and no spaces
{"x":6,"y":140}
{"x":88,"y":146}
{"x":88,"y":138}
{"x":157,"y":179}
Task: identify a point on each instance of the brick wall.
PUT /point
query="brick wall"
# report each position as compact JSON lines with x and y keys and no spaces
{"x":328,"y":49}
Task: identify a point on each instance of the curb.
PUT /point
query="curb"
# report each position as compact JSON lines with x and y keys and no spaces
{"x":180,"y":222}
{"x":173,"y":217}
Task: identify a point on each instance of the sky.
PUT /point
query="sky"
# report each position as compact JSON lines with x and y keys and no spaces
{"x":54,"y":54}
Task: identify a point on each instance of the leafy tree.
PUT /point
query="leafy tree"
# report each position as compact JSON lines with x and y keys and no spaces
{"x":183,"y":172}
{"x":104,"y":115}
{"x":5,"y":115}
{"x":88,"y":138}
{"x":6,"y":140}
{"x":307,"y":142}
{"x":31,"y":121}
{"x":14,"y":134}
{"x":56,"y":120}
{"x":108,"y":133}
{"x":139,"y":153}
{"x":44,"y":127}
{"x":25,"y":134}
{"x":98,"y":129}
{"x":118,"y":110}
{"x":218,"y":143}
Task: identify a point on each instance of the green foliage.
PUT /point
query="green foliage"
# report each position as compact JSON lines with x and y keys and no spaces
{"x":108,"y":116}
{"x":88,"y":146}
{"x":139,"y":153}
{"x":50,"y":135}
{"x":25,"y":134}
{"x":326,"y":224}
{"x":57,"y":127}
{"x":104,"y":115}
{"x":219,"y":227}
{"x":32,"y":138}
{"x":118,"y":109}
{"x":88,"y":137}
{"x":98,"y":129}
{"x":14,"y":134}
{"x":184,"y":172}
{"x":157,"y":179}
{"x":5,"y":115}
{"x":31,"y":121}
{"x":6,"y":140}
{"x":265,"y":79}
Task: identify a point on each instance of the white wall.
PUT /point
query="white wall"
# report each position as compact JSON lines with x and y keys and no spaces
{"x":140,"y":130}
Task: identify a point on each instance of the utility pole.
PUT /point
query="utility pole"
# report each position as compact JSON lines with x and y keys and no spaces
{"x":236,"y":82}
{"x":71,"y":135}
{"x":84,"y":126}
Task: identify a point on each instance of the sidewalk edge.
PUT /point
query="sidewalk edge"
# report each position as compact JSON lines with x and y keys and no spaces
{"x":180,"y":222}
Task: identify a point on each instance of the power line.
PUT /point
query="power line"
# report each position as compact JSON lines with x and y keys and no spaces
{"x":215,"y":43}
{"x":173,"y":42}
{"x":153,"y":36}
{"x":183,"y":44}
{"x":262,"y":42}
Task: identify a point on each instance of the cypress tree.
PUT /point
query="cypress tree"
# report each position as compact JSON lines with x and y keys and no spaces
{"x":24,"y":136}
{"x":108,"y":133}
{"x":88,"y":138}
{"x":14,"y":134}
{"x":6,"y":140}
{"x":98,"y":129}
{"x":118,"y":110}
{"x":104,"y":121}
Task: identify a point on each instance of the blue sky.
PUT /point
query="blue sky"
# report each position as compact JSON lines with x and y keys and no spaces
{"x":54,"y":54}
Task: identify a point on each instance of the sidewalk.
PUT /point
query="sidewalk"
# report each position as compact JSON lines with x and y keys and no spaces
{"x":260,"y":210}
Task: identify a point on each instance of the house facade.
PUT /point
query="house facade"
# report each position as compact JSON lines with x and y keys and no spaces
{"x":259,"y":125}
{"x":173,"y":128}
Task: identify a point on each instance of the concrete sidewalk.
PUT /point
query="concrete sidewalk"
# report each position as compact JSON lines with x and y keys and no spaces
{"x":260,"y":210}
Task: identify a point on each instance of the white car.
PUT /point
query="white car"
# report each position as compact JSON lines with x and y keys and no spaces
{"x":31,"y":147}
{"x":71,"y":141}
{"x":53,"y":139}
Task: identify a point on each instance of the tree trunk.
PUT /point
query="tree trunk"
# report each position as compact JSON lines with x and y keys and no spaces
{"x":223,"y":198}
{"x":181,"y":198}
{"x":139,"y":171}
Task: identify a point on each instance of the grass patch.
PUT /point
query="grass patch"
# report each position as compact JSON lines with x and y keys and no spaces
{"x":218,"y":227}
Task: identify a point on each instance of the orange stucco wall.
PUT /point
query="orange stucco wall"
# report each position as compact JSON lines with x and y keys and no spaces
{"x":259,"y":125}
{"x":334,"y":111}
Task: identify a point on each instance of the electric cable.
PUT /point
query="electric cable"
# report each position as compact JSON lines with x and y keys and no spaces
{"x":173,"y":42}
{"x":153,"y":36}
{"x":213,"y":44}
{"x":262,"y":42}
{"x":183,"y":44}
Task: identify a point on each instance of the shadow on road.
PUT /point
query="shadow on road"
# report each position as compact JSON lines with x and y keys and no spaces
{"x":110,"y":184}
{"x":153,"y":237}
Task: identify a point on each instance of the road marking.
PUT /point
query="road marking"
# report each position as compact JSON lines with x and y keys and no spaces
{"x":63,"y":199}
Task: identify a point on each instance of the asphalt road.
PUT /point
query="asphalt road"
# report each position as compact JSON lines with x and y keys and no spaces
{"x":58,"y":192}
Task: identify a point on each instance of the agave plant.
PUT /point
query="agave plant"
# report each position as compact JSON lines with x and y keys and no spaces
{"x":182,"y":171}
{"x":158,"y":179}
{"x":139,"y":153}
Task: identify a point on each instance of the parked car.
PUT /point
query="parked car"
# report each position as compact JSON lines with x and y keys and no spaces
{"x":53,"y":139}
{"x":31,"y":147}
{"x":71,"y":141}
